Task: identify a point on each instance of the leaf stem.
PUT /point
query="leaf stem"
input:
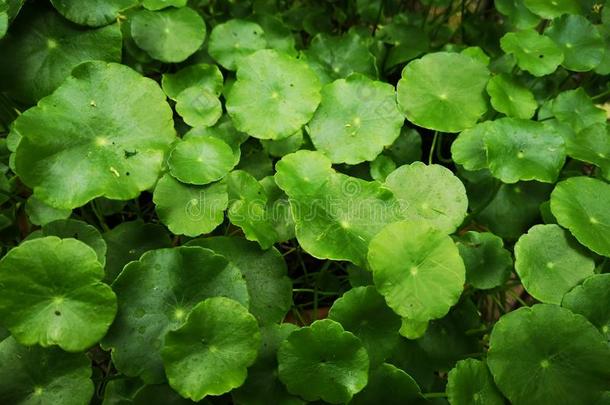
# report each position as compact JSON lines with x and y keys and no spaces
{"x":432,"y":147}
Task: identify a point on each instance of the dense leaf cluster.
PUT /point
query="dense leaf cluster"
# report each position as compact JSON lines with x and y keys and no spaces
{"x":289,"y":202}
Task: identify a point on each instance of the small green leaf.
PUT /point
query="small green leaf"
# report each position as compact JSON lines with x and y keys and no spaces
{"x":282,"y":147}
{"x":550,"y":262}
{"x":201,"y":76}
{"x":562,"y":357}
{"x":356,"y":119}
{"x":92,"y":12}
{"x":198,"y":108}
{"x":388,"y":384}
{"x":592,"y":300}
{"x":286,"y":88}
{"x":34,"y":375}
{"x":323,"y":361}
{"x":471,"y":383}
{"x":82,"y":231}
{"x":56,"y":301}
{"x":443,"y":91}
{"x":155,"y":295}
{"x":170,"y":35}
{"x":580,"y":41}
{"x":538,"y":54}
{"x":188,"y":209}
{"x":418,"y":270}
{"x":511,"y":98}
{"x":40,"y":213}
{"x":518,"y":14}
{"x":580,"y":204}
{"x":210,"y":353}
{"x":200,"y":160}
{"x":576,"y":109}
{"x":488,"y":264}
{"x":233,"y":40}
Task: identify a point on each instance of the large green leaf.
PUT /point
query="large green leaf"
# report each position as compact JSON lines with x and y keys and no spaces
{"x":580,"y":204}
{"x":418,"y":270}
{"x":286,"y":88}
{"x":582,"y":44}
{"x":51,"y":294}
{"x":550,"y":262}
{"x":155,"y":295}
{"x":210,"y":353}
{"x":551,"y":9}
{"x":36,"y":61}
{"x":34,"y":375}
{"x":323,"y":361}
{"x":104,"y":132}
{"x":357,"y":118}
{"x":547,"y":354}
{"x":443,"y":91}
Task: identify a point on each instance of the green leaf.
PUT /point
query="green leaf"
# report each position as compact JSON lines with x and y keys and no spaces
{"x":155,"y":5}
{"x":356,"y":119}
{"x":198,"y":108}
{"x":407,"y":148}
{"x":269,"y":287}
{"x":591,"y":299}
{"x":581,"y":43}
{"x":511,"y":98}
{"x":277,"y":33}
{"x":551,"y":9}
{"x":562,"y":357}
{"x":279,"y":212}
{"x":334,"y":57}
{"x":286,"y":89}
{"x":170,"y":35}
{"x":128,"y":130}
{"x":576,"y":109}
{"x":92,"y":12}
{"x":51,"y":294}
{"x":233,"y":40}
{"x":128,"y":241}
{"x":40,"y":213}
{"x":155,"y":295}
{"x":591,"y":145}
{"x":82,"y":231}
{"x":429,"y":193}
{"x":518,"y":14}
{"x":443,"y":91}
{"x":418,"y":270}
{"x":323,"y":361}
{"x":335,"y":215}
{"x":388,"y":384}
{"x":471,"y":383}
{"x":580,"y":204}
{"x":263,"y":387}
{"x":210,"y":353}
{"x":36,"y":62}
{"x":200,"y":160}
{"x":225,"y":131}
{"x":282,"y":147}
{"x":187,"y":209}
{"x":363,"y":312}
{"x":535,"y":53}
{"x":201,"y":76}
{"x":550,"y":262}
{"x":488,"y":264}
{"x":381,"y":167}
{"x":34,"y":375}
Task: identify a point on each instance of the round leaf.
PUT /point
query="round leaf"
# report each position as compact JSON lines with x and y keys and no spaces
{"x":488,"y":264}
{"x":591,"y":299}
{"x":550,"y":262}
{"x":356,"y":119}
{"x":551,"y":9}
{"x":201,"y":76}
{"x":40,"y":213}
{"x":286,"y":90}
{"x":269,"y":287}
{"x":51,"y":294}
{"x":155,"y":295}
{"x":72,"y":228}
{"x":430,"y":193}
{"x":92,"y":12}
{"x":128,"y":130}
{"x":33,"y":375}
{"x":443,"y":91}
{"x":511,"y":98}
{"x":198,"y":108}
{"x":170,"y":35}
{"x":363,"y":312}
{"x":187,"y":209}
{"x":562,"y":358}
{"x":418,"y":270}
{"x":470,"y":383}
{"x":538,"y":54}
{"x":36,"y":62}
{"x":580,"y":204}
{"x":323,"y":361}
{"x":200,"y":160}
{"x":210,"y":353}
{"x":388,"y":384}
{"x":576,"y":109}
{"x":582,"y":44}
{"x":233,"y":40}
{"x":518,"y":14}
